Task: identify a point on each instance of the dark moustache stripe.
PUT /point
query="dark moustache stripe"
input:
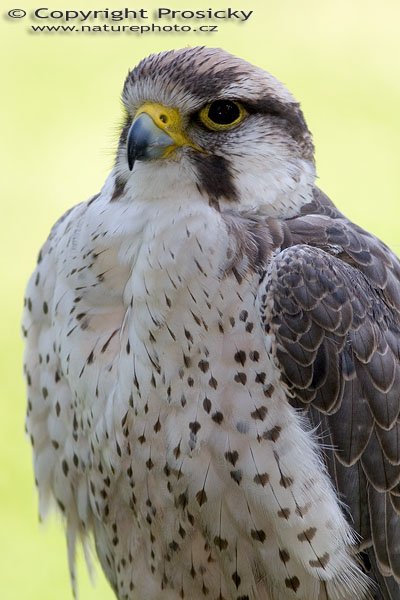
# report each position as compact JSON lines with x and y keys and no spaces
{"x":214,"y":177}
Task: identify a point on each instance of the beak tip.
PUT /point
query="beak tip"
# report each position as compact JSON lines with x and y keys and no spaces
{"x":131,"y":154}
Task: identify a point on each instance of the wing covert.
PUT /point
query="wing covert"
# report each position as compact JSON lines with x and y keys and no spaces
{"x":335,"y":334}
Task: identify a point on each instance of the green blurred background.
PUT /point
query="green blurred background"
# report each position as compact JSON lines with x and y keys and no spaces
{"x":60,"y":115}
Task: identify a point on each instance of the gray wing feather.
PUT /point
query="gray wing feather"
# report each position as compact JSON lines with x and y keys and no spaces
{"x":332,"y":305}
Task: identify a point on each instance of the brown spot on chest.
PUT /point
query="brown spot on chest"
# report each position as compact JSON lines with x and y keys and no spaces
{"x":261,"y":479}
{"x":307,"y":535}
{"x":292,"y":583}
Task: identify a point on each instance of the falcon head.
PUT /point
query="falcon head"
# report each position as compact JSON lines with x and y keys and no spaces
{"x":200,"y":120}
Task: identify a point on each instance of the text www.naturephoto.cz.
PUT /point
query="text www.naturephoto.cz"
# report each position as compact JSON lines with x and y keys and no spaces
{"x":106,"y":28}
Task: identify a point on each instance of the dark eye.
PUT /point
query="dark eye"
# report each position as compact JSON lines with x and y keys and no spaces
{"x":222,"y":114}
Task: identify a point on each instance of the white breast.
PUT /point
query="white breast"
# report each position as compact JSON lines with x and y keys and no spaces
{"x":199,"y":472}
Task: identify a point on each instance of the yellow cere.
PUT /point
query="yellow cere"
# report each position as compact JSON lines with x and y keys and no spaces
{"x":168,"y":119}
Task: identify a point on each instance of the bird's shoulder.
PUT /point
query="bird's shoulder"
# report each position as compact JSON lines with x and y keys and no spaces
{"x":332,"y":279}
{"x":330,"y":303}
{"x":322,"y":226}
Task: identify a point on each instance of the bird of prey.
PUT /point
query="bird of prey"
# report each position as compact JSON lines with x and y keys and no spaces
{"x":213,"y":355}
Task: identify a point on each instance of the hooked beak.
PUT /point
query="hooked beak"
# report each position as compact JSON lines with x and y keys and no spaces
{"x":156,"y":132}
{"x":146,"y":141}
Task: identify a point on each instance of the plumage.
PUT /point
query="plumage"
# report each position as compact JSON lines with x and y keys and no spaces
{"x":213,"y":356}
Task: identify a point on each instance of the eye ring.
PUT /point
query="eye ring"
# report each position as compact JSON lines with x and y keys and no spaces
{"x":221,"y":115}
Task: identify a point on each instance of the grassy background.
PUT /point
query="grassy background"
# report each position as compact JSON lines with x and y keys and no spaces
{"x":59,"y":125}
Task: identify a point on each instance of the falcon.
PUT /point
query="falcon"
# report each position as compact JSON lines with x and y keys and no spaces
{"x":213,"y":356}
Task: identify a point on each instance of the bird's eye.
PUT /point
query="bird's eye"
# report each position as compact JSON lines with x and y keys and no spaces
{"x":222,"y":114}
